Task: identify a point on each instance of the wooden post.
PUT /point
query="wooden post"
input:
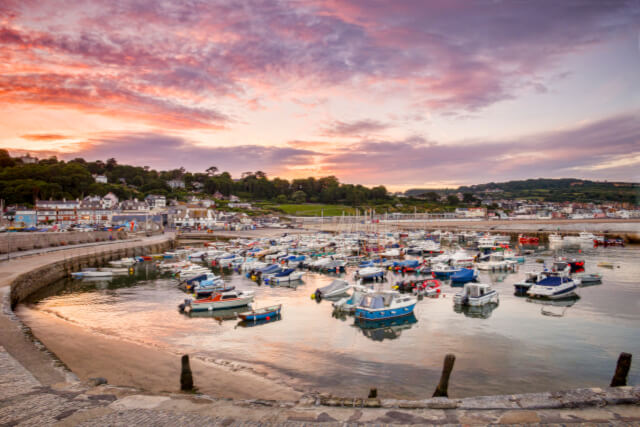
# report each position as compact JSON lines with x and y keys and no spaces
{"x":622,"y":370}
{"x":373,"y":393}
{"x":186,"y":377}
{"x":441,"y":390}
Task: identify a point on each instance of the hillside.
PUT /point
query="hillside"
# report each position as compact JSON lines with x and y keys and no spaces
{"x":551,"y":190}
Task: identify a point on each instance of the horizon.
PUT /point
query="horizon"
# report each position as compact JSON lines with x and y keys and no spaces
{"x":406,"y":95}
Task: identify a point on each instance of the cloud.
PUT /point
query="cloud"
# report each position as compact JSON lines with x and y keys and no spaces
{"x":169,"y":152}
{"x":581,"y":150}
{"x":43,"y":137}
{"x":355,"y":128}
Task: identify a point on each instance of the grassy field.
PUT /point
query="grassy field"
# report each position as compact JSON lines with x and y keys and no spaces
{"x":314,"y":209}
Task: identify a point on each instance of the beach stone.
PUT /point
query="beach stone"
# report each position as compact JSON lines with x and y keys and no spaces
{"x":519,"y":417}
{"x":98,"y":381}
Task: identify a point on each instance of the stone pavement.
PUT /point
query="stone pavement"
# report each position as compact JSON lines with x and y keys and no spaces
{"x":24,"y":401}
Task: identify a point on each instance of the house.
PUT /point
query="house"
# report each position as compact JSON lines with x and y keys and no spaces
{"x":241,"y":205}
{"x":156,"y":201}
{"x":471,"y":212}
{"x":28,"y":159}
{"x":233,"y":198}
{"x":110,"y":200}
{"x":175,"y":183}
{"x":100,"y":179}
{"x":62,"y":212}
{"x":218,"y":195}
{"x":93,"y":212}
{"x":134,"y":205}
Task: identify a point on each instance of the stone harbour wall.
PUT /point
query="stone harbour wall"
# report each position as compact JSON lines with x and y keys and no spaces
{"x":34,"y":280}
{"x":12,"y":242}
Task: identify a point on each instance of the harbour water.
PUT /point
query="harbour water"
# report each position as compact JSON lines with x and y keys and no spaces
{"x":518,"y":346}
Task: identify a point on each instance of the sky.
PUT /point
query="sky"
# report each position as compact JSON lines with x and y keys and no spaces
{"x":404,"y":93}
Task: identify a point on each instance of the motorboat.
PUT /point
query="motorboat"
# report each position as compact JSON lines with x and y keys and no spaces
{"x":464,"y":275}
{"x":284,"y":276}
{"x":496,"y":262}
{"x":385,"y":305}
{"x":349,"y":304}
{"x":586,"y":279}
{"x":530,"y":279}
{"x":461,"y":258}
{"x":476,"y":294}
{"x":553,"y":285}
{"x":444,"y":271}
{"x":369,"y":273}
{"x":336,"y":288}
{"x":219,"y":301}
{"x":264,"y":313}
{"x":92,"y":273}
{"x":429,"y":288}
{"x":123,"y":262}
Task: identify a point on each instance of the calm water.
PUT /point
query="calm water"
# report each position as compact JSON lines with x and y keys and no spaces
{"x":516,"y":347}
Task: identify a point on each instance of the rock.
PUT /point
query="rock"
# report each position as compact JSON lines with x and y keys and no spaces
{"x":97,"y":381}
{"x":519,"y":417}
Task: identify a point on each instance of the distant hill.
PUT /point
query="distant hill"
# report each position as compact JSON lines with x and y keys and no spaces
{"x":552,"y":190}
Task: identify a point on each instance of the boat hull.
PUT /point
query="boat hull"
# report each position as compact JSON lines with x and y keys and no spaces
{"x":384,"y":313}
{"x":219,"y":305}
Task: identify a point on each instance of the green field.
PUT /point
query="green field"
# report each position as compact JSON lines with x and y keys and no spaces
{"x":314,"y":209}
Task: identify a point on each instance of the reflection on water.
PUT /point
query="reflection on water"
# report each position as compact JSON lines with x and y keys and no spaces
{"x":510,"y":348}
{"x":389,"y":329}
{"x":478,"y":312}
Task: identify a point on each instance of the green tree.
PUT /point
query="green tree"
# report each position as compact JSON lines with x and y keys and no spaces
{"x":299,"y":196}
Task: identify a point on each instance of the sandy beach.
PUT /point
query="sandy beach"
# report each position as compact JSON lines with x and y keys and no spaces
{"x":122,"y":363}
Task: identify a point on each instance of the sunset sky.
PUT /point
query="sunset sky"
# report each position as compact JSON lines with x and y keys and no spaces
{"x":401,"y":93}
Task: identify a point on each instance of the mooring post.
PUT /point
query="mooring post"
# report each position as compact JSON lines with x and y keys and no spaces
{"x":622,"y":370}
{"x":186,"y":377}
{"x":441,"y":390}
{"x":373,"y":393}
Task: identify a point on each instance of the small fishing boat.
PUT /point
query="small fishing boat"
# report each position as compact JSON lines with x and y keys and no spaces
{"x":522,"y":287}
{"x":428,"y":288}
{"x":464,"y":275}
{"x":476,"y":294}
{"x":92,"y":273}
{"x":284,"y":276}
{"x":585,"y":279}
{"x":369,"y":273}
{"x":385,"y":305}
{"x":444,"y":271}
{"x":349,"y":304}
{"x":264,"y":313}
{"x":218,"y":301}
{"x":336,"y":288}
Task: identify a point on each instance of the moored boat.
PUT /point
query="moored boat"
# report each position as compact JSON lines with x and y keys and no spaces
{"x":219,"y":301}
{"x":385,"y":305}
{"x":476,"y":294}
{"x":264,"y":313}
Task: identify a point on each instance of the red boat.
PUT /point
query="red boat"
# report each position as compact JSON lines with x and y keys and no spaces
{"x":527,"y":240}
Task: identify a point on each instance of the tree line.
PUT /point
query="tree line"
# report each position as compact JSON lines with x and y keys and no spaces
{"x":24,"y":183}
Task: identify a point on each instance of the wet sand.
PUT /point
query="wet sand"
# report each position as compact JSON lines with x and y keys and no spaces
{"x":89,"y":354}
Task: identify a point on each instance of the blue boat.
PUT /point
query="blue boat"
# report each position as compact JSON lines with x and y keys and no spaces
{"x":465,"y":275}
{"x":385,"y":305}
{"x":265,"y":313}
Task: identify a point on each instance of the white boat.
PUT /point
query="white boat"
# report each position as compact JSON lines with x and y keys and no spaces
{"x":349,"y":304}
{"x":476,"y":294}
{"x":92,"y":273}
{"x":554,"y":285}
{"x":124,"y":262}
{"x":461,"y":258}
{"x":391,"y":253}
{"x":369,"y":272}
{"x":286,"y":276}
{"x":496,"y":262}
{"x":336,"y":288}
{"x":222,"y":300}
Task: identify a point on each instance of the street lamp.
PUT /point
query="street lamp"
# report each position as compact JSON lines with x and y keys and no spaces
{"x":10,"y":216}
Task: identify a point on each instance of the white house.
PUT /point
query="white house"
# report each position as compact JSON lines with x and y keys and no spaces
{"x":175,"y":183}
{"x":110,"y":200}
{"x":156,"y":201}
{"x":101,"y":179}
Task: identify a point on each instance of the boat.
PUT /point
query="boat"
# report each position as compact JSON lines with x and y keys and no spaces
{"x":461,"y":258}
{"x":349,"y":304}
{"x":284,"y":276}
{"x":444,"y":271}
{"x":264,"y":313}
{"x":496,"y":262}
{"x":522,"y":287}
{"x":476,"y":294}
{"x":219,"y":301}
{"x":92,"y":273}
{"x":124,"y":262}
{"x":385,"y":305}
{"x":369,"y":273}
{"x":528,"y":240}
{"x":428,"y":288}
{"x":464,"y":275}
{"x":336,"y":288}
{"x":576,"y":265}
{"x":553,"y":285}
{"x":586,"y":279}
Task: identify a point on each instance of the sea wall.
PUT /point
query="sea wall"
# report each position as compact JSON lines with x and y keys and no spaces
{"x":41,"y":277}
{"x":12,"y":242}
